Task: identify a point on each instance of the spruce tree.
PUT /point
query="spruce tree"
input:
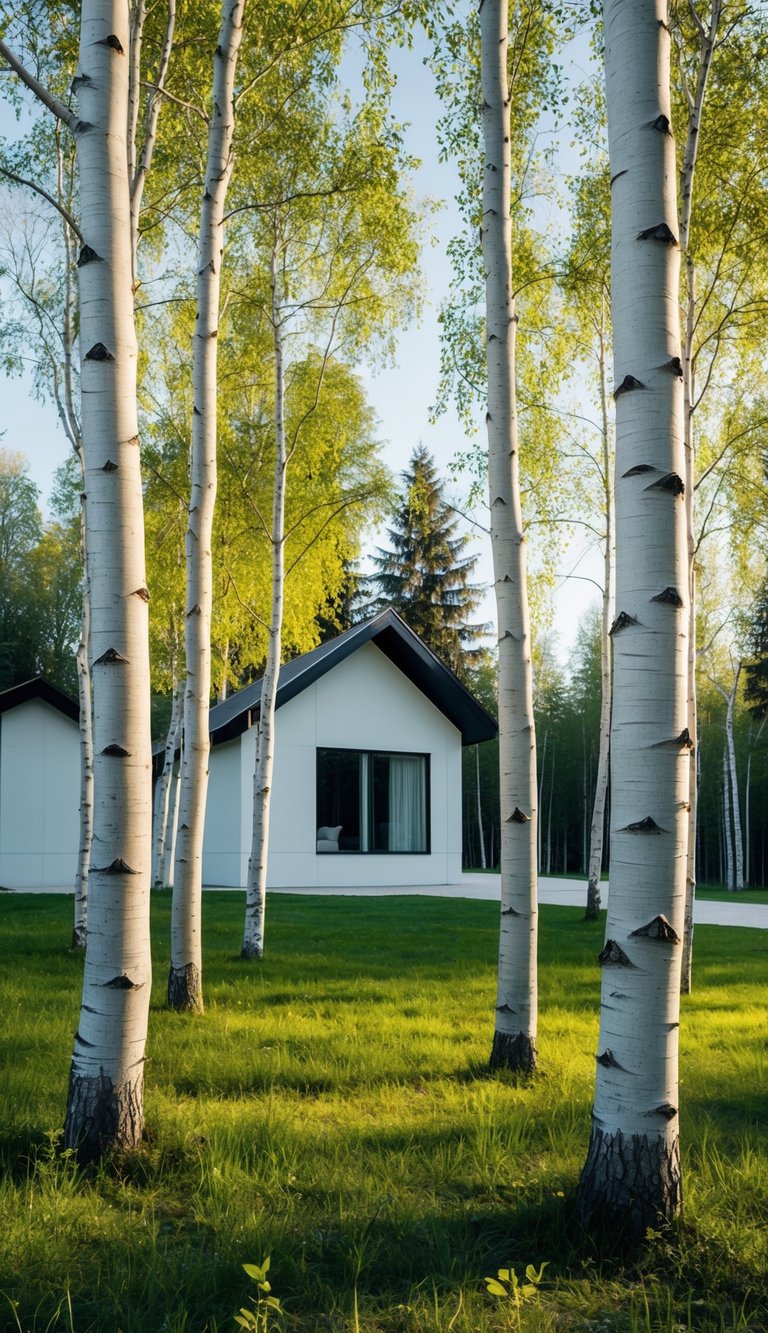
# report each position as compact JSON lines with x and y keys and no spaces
{"x":426,"y":576}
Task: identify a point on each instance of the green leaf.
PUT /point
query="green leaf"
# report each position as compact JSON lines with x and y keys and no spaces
{"x":254,"y":1271}
{"x":494,"y":1287}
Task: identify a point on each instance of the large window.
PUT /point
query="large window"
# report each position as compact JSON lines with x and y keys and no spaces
{"x":372,"y":801}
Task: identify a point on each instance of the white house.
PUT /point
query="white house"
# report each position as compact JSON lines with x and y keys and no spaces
{"x":39,"y":786}
{"x":367,"y":778}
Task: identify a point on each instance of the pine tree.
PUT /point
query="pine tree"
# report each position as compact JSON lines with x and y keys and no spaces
{"x":756,"y":667}
{"x":425,"y":576}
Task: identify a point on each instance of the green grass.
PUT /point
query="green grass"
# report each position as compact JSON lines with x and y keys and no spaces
{"x":331,"y":1110}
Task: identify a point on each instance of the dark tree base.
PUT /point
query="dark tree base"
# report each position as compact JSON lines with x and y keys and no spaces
{"x":102,"y":1117}
{"x":79,"y":936}
{"x":185,"y":989}
{"x":593,"y":901}
{"x":252,"y":953}
{"x":516,"y":1053}
{"x":629,"y":1183}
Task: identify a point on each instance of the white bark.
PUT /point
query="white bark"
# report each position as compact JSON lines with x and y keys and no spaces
{"x":631,"y":1179}
{"x":603,"y":760}
{"x":162,"y":824}
{"x":479,"y":803}
{"x":185,"y":976}
{"x":105,"y":1105}
{"x":514,"y":1042}
{"x":256,"y":892}
{"x":695,"y":104}
{"x":731,"y":801}
{"x":85,"y":699}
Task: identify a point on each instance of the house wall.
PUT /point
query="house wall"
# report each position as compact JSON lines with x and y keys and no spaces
{"x":39,"y":797}
{"x":363,"y":703}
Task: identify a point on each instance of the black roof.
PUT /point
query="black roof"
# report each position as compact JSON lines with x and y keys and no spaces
{"x":39,"y":688}
{"x":390,"y":634}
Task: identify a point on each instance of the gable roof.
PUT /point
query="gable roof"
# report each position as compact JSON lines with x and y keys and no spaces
{"x":392,"y":636}
{"x":45,"y":691}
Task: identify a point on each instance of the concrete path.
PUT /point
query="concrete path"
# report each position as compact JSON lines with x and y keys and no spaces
{"x":564,"y":892}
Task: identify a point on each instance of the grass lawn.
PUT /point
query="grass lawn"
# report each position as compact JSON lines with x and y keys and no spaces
{"x":331,"y":1110}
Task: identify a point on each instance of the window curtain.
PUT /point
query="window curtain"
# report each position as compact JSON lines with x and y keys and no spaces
{"x":407,"y":804}
{"x":365,"y":835}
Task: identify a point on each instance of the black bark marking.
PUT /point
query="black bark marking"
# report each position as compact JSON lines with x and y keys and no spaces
{"x":622,"y":621}
{"x":109,"y":466}
{"x":110,"y":658}
{"x":504,"y":1009}
{"x":683,"y":741}
{"x":638,"y":471}
{"x":669,"y":482}
{"x":509,"y":911}
{"x":618,"y":175}
{"x":113,"y":43}
{"x":628,"y":385}
{"x":88,"y":255}
{"x":99,"y":353}
{"x":661,"y":123}
{"x":82,"y":1042}
{"x":194,"y":611}
{"x":658,"y":929}
{"x":666,"y":1110}
{"x":517,"y":817}
{"x":121,"y":983}
{"x":117,"y":751}
{"x":514,"y":1052}
{"x":507,"y":635}
{"x":133,"y":440}
{"x":142,"y":592}
{"x":674,"y":366}
{"x":612,"y":955}
{"x":647,"y":825}
{"x":668,"y":597}
{"x":499,"y":501}
{"x":117,"y":867}
{"x":608,"y":1060}
{"x":660,"y":233}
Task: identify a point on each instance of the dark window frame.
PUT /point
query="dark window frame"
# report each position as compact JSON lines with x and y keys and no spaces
{"x":372,"y":754}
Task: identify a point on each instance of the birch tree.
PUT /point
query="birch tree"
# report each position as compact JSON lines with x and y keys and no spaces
{"x":185,"y":975}
{"x":514,"y":1042}
{"x":341,"y":254}
{"x":105,"y":1100}
{"x":631,"y":1179}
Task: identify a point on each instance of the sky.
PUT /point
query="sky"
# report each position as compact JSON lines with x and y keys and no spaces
{"x":402,"y":394}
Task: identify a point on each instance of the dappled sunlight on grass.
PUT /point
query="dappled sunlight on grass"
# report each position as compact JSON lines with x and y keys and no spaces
{"x":332,"y":1109}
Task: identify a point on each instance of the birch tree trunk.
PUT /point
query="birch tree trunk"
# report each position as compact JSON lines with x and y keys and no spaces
{"x":731,"y":801}
{"x":105,"y":1102}
{"x":256,"y":893}
{"x":597,"y":827}
{"x":514,"y":1041}
{"x":85,"y":699}
{"x":695,"y":103}
{"x":161,"y":824}
{"x":479,"y":808}
{"x":730,"y":875}
{"x":631,"y":1179}
{"x":185,"y":975}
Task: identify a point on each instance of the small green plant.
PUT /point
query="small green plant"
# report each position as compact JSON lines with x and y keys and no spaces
{"x":259,"y":1320}
{"x":507,"y":1284}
